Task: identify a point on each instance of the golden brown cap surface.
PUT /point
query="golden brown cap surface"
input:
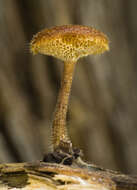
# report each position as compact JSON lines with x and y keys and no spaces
{"x":69,"y":42}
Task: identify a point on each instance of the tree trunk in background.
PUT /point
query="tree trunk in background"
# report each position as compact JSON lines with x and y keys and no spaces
{"x":102,"y":113}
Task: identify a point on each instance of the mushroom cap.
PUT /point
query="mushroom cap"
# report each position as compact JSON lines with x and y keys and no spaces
{"x":69,"y":42}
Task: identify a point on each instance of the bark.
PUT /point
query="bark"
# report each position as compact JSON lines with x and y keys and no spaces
{"x":40,"y":175}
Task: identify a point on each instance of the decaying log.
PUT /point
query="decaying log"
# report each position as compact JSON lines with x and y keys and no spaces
{"x":41,"y":175}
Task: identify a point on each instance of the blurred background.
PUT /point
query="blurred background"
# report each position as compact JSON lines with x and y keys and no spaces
{"x":102,"y":117}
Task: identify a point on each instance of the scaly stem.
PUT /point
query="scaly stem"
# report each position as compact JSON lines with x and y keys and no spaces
{"x":60,"y":136}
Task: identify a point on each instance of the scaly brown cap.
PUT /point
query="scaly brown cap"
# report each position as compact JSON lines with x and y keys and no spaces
{"x":69,"y":42}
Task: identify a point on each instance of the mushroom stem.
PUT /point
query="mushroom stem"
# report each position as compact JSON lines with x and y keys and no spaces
{"x":60,"y":136}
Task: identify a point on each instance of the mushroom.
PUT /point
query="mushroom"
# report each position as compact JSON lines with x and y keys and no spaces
{"x":67,"y":43}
